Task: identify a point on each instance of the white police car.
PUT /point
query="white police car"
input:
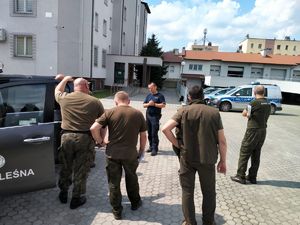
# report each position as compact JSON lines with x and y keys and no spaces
{"x":239,"y":97}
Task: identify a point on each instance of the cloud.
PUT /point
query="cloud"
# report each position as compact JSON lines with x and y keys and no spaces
{"x":183,"y":22}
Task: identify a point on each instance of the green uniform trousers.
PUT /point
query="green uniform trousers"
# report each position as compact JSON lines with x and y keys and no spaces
{"x":251,"y":147}
{"x":114,"y":176}
{"x":76,"y":153}
{"x":207,"y":178}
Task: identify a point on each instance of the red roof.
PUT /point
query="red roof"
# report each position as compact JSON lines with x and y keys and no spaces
{"x":242,"y":57}
{"x":171,"y":57}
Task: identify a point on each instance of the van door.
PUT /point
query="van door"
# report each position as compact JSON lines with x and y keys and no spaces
{"x":242,"y":98}
{"x":26,"y":140}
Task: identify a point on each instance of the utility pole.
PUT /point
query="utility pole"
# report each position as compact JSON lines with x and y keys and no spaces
{"x":204,"y":38}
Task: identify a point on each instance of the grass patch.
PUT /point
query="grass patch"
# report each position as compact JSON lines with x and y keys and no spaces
{"x":102,"y":93}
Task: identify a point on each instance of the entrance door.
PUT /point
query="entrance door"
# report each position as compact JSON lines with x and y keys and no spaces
{"x":119,"y":77}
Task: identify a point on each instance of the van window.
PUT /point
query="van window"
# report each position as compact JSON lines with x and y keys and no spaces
{"x":244,"y":92}
{"x":22,"y":105}
{"x":266,"y":92}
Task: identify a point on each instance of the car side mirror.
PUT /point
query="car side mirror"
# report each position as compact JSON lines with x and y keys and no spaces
{"x":238,"y":94}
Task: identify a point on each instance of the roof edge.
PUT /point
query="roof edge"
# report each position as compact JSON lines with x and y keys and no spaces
{"x":146,"y":6}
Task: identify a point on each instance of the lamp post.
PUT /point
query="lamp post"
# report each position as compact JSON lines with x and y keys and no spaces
{"x":182,"y":65}
{"x":184,"y":94}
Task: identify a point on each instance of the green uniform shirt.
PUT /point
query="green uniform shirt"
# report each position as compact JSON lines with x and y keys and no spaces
{"x":200,"y":125}
{"x":124,"y":125}
{"x":78,"y":110}
{"x":260,"y":112}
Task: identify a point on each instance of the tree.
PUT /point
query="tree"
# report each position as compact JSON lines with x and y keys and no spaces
{"x":156,"y":72}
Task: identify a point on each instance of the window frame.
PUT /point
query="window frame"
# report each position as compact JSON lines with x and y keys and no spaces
{"x":104,"y":28}
{"x":104,"y":53}
{"x":196,"y":67}
{"x":172,"y":69}
{"x":96,"y":21}
{"x":25,"y":38}
{"x":96,"y":56}
{"x":110,"y":23}
{"x":26,"y":13}
{"x":124,"y":13}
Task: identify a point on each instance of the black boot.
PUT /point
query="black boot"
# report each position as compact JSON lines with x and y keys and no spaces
{"x":76,"y":202}
{"x":63,"y":197}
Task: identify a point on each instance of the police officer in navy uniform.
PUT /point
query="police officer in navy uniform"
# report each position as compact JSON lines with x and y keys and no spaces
{"x":258,"y":113}
{"x":154,"y":102}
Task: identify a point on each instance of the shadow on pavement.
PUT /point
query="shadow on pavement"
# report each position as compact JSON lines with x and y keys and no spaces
{"x":284,"y":114}
{"x":155,"y":212}
{"x":280,"y":183}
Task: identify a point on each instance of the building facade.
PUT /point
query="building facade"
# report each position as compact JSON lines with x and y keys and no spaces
{"x":74,"y":37}
{"x":275,"y":46}
{"x":233,"y":69}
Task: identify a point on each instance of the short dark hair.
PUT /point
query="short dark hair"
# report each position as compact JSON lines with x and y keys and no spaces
{"x":196,"y":92}
{"x":152,"y":83}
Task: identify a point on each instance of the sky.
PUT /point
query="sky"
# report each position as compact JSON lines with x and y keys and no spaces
{"x":178,"y":24}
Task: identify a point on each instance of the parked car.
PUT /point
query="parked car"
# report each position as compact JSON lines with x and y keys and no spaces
{"x":239,"y":97}
{"x":29,"y":133}
{"x":221,"y":91}
{"x":209,"y":90}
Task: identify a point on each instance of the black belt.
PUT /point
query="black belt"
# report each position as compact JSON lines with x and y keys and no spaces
{"x":76,"y":132}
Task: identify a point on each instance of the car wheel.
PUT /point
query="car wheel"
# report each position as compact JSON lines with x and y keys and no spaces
{"x":225,"y":106}
{"x":273,"y":109}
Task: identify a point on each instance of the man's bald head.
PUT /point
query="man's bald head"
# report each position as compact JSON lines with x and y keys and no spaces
{"x":259,"y":90}
{"x":81,"y":84}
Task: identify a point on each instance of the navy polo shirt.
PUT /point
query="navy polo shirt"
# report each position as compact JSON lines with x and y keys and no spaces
{"x":157,"y":98}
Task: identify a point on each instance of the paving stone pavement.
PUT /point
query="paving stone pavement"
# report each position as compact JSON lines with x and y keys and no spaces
{"x":274,"y":200}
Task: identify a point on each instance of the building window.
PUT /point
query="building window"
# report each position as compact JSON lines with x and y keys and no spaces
{"x":215,"y":70}
{"x":96,"y":53}
{"x":103,"y":58}
{"x":23,"y":8}
{"x":234,"y":71}
{"x":278,"y":47}
{"x":286,"y":47}
{"x":23,"y":46}
{"x":172,"y":69}
{"x":106,"y":2}
{"x":196,"y":67}
{"x":104,"y":28}
{"x":259,"y":46}
{"x":252,"y":45}
{"x":124,"y":13}
{"x":110,"y":23}
{"x":123,"y":38}
{"x":96,"y":22}
{"x":294,"y":48}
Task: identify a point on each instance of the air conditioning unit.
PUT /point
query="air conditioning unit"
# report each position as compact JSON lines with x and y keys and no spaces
{"x":2,"y":34}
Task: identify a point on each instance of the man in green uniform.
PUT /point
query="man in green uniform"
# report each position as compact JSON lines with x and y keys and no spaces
{"x":202,"y":138}
{"x":258,"y":113}
{"x":125,"y":124}
{"x":79,"y":111}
